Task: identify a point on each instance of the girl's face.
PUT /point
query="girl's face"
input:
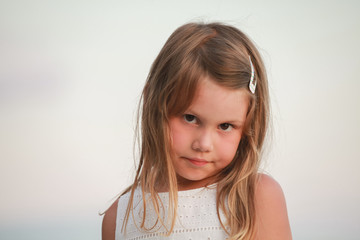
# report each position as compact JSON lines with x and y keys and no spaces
{"x":205,"y":138}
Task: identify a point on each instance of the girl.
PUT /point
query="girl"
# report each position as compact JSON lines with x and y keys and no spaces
{"x":204,"y":117}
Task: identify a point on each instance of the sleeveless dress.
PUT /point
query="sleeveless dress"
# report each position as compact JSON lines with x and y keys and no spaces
{"x":196,"y":217}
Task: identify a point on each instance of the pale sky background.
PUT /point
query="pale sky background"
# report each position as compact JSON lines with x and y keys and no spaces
{"x":71,"y":73}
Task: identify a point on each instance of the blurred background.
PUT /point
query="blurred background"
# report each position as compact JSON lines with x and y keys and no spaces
{"x":71,"y":73}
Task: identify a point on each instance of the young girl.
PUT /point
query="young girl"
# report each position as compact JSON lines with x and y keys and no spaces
{"x":205,"y":110}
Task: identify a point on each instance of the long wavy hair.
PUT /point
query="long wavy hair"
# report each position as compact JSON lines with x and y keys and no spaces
{"x":193,"y":51}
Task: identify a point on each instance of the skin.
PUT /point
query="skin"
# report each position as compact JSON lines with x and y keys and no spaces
{"x":272,"y":218}
{"x":206,"y":136}
{"x":109,"y":222}
{"x":204,"y":141}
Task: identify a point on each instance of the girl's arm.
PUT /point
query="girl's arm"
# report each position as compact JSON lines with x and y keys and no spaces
{"x":109,"y":222}
{"x":272,"y":218}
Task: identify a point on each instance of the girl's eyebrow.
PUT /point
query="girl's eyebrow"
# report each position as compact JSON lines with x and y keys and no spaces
{"x":234,"y":122}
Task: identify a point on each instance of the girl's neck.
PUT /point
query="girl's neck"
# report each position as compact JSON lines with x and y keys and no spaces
{"x":186,"y":184}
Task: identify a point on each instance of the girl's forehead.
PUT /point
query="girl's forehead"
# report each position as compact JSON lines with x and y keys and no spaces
{"x":208,"y":87}
{"x":212,"y":99}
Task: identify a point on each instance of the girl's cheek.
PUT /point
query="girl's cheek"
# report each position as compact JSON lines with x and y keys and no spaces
{"x":179,"y":131}
{"x":230,"y":144}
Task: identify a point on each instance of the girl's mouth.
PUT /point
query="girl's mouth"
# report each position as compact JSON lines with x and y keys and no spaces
{"x":197,"y":162}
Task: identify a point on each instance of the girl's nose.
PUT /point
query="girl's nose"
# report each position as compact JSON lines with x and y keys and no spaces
{"x":203,"y":142}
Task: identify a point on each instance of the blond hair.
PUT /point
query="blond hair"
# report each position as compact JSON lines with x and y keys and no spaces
{"x":193,"y":51}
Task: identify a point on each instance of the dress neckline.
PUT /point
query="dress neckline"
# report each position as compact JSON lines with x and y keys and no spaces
{"x":210,"y":187}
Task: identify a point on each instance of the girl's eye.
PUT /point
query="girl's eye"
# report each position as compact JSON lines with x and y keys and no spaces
{"x":225,"y":127}
{"x":190,"y":118}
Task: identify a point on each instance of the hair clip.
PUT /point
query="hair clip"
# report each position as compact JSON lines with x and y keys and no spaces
{"x":252,"y":83}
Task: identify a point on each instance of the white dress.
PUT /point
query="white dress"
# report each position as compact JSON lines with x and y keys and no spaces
{"x":196,"y":217}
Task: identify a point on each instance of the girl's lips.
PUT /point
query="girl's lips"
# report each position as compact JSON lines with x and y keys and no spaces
{"x":198,"y":162}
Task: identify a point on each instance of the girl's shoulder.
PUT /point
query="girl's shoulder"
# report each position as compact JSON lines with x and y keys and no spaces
{"x":109,"y":222}
{"x":118,"y":207}
{"x":272,"y":217}
{"x":268,"y":185}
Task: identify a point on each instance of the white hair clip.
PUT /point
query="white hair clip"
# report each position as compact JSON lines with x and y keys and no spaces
{"x":252,"y":83}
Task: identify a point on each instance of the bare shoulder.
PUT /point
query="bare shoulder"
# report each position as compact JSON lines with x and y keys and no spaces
{"x":271,"y":213}
{"x":109,"y":222}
